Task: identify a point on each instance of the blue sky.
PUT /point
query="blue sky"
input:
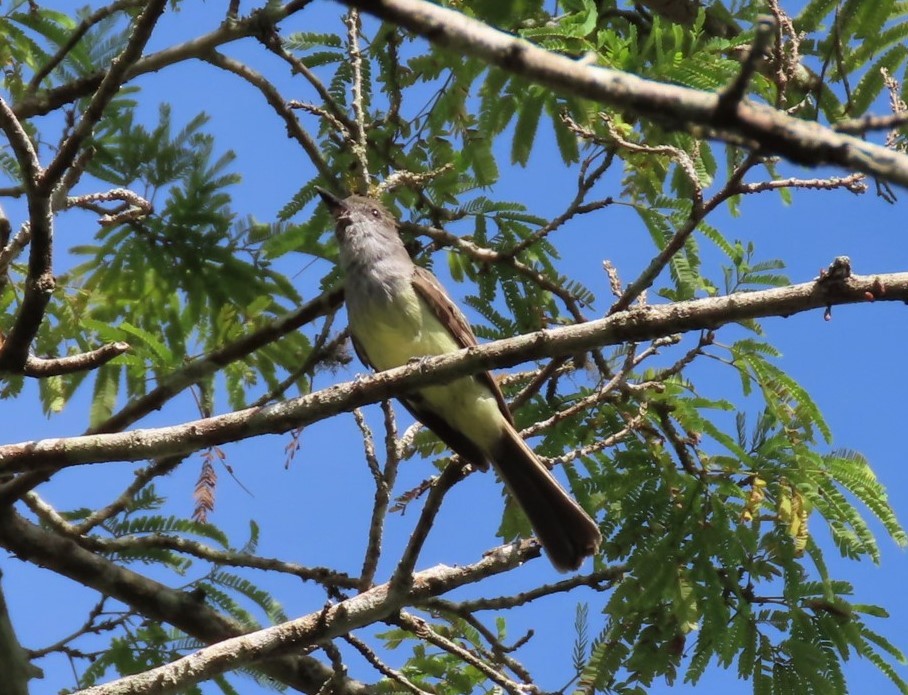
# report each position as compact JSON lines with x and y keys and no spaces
{"x":317,"y":510}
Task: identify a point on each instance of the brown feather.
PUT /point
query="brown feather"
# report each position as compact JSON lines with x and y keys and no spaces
{"x":565,"y":530}
{"x":430,"y":289}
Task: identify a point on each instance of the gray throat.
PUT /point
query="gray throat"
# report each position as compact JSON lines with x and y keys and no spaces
{"x":376,"y":266}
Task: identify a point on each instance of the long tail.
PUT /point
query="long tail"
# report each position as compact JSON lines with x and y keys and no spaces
{"x":566,"y":532}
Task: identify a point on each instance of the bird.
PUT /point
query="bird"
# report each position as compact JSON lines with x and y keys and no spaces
{"x":399,"y":311}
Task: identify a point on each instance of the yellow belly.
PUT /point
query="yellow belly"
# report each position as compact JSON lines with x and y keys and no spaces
{"x":392,"y":338}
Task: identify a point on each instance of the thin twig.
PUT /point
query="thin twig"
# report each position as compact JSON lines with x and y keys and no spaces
{"x":600,"y":580}
{"x":381,"y":666}
{"x":679,"y":443}
{"x":729,"y":98}
{"x":322,"y":350}
{"x":499,"y":652}
{"x":141,"y":478}
{"x":272,"y":41}
{"x":450,"y":476}
{"x":632,"y":425}
{"x":75,"y":36}
{"x":585,"y":182}
{"x":279,"y":105}
{"x":574,"y":209}
{"x":486,"y":255}
{"x":678,"y":239}
{"x":206,"y":365}
{"x":91,"y":626}
{"x":384,"y":483}
{"x":110,"y":84}
{"x":553,"y":368}
{"x":161,"y":541}
{"x":424,"y":631}
{"x":584,"y":404}
{"x":358,"y":145}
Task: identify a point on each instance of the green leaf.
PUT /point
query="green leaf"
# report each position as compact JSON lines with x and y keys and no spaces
{"x":105,"y":393}
{"x":160,"y":350}
{"x":527,"y":124}
{"x":871,"y":84}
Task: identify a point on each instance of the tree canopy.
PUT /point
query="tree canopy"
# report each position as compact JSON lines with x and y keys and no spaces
{"x":573,"y":171}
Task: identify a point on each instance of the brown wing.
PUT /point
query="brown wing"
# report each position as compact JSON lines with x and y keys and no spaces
{"x":430,"y":289}
{"x":361,"y":353}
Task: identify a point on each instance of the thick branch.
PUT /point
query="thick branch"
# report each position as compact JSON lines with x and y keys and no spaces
{"x":753,"y":125}
{"x":39,"y":286}
{"x":40,"y":282}
{"x":14,"y":663}
{"x":263,"y":645}
{"x":634,"y":325}
{"x":150,"y":598}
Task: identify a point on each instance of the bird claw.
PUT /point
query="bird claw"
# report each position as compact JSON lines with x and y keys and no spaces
{"x":421,"y":361}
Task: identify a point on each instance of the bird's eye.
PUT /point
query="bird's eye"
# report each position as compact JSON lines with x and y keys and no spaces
{"x":375,"y":212}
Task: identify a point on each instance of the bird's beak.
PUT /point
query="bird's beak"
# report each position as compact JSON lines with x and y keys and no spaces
{"x":335,"y":204}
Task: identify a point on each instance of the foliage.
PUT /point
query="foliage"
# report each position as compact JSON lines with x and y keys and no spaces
{"x":711,"y":517}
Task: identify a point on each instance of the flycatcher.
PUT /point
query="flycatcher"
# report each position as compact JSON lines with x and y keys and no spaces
{"x":399,"y":311}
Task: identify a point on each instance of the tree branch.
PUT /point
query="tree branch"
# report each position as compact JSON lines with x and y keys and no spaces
{"x":599,"y":580}
{"x":482,"y":254}
{"x":41,"y":368}
{"x":384,"y":484}
{"x":40,"y":185}
{"x":634,"y":325}
{"x":330,"y":622}
{"x":175,"y":382}
{"x":39,"y":283}
{"x":17,"y":670}
{"x":130,"y":543}
{"x":421,"y":629}
{"x":402,"y":578}
{"x":382,"y":667}
{"x":755,"y":126}
{"x":141,"y":478}
{"x":678,"y":239}
{"x":192,"y":373}
{"x":152,"y":599}
{"x":295,"y":129}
